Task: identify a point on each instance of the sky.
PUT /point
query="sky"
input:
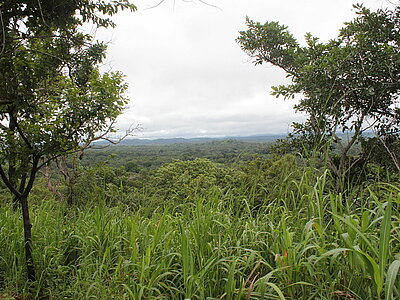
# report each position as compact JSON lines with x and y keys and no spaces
{"x":189,"y":78}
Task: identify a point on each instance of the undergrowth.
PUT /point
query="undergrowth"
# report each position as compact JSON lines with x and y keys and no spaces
{"x":303,"y":242}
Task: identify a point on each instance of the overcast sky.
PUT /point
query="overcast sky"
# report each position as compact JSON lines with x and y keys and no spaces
{"x":188,"y":77}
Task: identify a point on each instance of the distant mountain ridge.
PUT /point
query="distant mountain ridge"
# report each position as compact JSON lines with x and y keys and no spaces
{"x":170,"y":141}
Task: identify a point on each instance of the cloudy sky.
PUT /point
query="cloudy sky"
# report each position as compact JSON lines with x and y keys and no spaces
{"x":188,"y":77}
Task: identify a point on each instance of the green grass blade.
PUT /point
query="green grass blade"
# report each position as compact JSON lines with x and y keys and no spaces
{"x":277,"y":290}
{"x":373,"y":268}
{"x":362,"y":235}
{"x":385,"y":237}
{"x":391,"y":279}
{"x":129,"y":291}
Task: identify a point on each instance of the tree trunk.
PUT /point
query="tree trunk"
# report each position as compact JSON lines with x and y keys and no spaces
{"x":70,"y":177}
{"x":11,"y":159}
{"x":341,"y":174}
{"x":30,"y":267}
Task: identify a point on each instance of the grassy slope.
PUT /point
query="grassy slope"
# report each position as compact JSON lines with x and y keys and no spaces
{"x":309,"y":245}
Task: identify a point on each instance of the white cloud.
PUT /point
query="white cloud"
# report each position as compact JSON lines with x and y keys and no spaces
{"x":187,"y":75}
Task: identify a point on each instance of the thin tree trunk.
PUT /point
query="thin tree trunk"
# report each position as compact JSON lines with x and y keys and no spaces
{"x":70,"y":177}
{"x":341,"y":168}
{"x":30,"y":267}
{"x":11,"y":159}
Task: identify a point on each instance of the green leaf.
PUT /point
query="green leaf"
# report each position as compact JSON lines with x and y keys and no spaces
{"x":384,"y":237}
{"x":391,"y":276}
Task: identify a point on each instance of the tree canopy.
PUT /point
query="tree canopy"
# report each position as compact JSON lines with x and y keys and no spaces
{"x":349,"y":84}
{"x":52,"y":95}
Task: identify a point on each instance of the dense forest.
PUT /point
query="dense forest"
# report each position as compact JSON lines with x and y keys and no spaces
{"x":233,"y":220}
{"x":314,"y":215}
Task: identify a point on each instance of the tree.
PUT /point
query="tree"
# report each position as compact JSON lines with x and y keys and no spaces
{"x":52,"y":96}
{"x":349,"y":84}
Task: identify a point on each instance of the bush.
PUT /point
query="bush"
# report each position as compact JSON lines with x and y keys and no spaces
{"x":181,"y":181}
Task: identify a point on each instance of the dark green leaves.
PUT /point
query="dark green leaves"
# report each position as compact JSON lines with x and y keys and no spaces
{"x":270,"y":42}
{"x":52,"y":96}
{"x":349,"y":84}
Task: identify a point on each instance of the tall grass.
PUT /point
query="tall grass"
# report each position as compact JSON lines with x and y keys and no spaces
{"x":306,"y":243}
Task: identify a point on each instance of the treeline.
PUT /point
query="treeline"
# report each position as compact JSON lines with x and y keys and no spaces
{"x":138,"y":158}
{"x":178,"y":173}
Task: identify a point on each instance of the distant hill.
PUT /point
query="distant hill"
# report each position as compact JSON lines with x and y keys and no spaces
{"x":171,"y":141}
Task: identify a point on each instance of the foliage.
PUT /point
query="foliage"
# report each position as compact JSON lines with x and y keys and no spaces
{"x":267,"y":228}
{"x":259,"y":226}
{"x":254,"y":178}
{"x":52,"y":95}
{"x":272,"y":180}
{"x":348,"y":84}
{"x":211,"y":247}
{"x":185,"y":180}
{"x":142,"y":158}
{"x":112,"y":183}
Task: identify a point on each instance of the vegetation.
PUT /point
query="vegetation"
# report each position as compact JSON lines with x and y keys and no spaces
{"x":141,"y":158}
{"x":349,"y":84}
{"x":218,"y":220}
{"x":269,"y":229}
{"x":52,"y":96}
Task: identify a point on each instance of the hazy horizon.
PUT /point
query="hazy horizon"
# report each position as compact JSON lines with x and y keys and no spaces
{"x":188,"y":77}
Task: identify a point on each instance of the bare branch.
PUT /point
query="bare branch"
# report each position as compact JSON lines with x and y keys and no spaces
{"x":391,"y":153}
{"x":103,"y":136}
{"x":47,"y":176}
{"x":158,"y":4}
{"x":209,"y":4}
{"x":201,"y":1}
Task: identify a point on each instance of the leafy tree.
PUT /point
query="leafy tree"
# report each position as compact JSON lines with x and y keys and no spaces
{"x":52,"y":96}
{"x":181,"y":181}
{"x":349,"y":84}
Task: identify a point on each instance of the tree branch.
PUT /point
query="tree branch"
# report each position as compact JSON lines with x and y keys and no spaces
{"x":391,"y":153}
{"x":32,"y":176}
{"x":104,"y":137}
{"x":24,"y":138}
{"x":8,"y":183}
